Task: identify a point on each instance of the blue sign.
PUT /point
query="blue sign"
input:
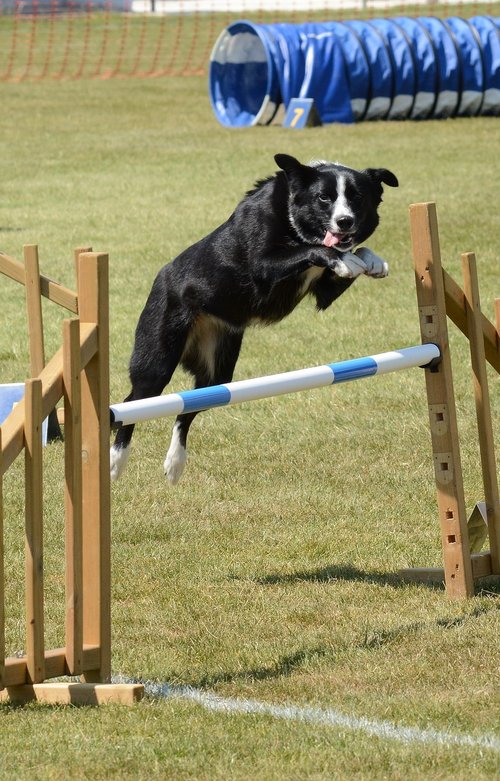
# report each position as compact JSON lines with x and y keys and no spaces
{"x":301,"y":112}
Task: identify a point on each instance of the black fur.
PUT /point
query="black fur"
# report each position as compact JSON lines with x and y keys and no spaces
{"x":255,"y":267}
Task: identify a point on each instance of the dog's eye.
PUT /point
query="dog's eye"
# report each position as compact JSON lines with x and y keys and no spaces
{"x":324,"y":199}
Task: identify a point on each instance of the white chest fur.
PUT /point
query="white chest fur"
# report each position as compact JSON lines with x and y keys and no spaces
{"x":308,"y":278}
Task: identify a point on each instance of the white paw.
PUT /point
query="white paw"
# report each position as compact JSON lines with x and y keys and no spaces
{"x":174,"y":465}
{"x":118,"y":457}
{"x":175,"y":460}
{"x":375,"y":266}
{"x":350,"y":266}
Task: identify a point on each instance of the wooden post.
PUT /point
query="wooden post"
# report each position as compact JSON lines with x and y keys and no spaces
{"x":34,"y":531}
{"x":93,"y":308}
{"x":441,"y":402}
{"x":483,"y":409}
{"x":73,"y":495}
{"x":34,"y":308}
{"x":32,"y":288}
{"x":76,"y":255}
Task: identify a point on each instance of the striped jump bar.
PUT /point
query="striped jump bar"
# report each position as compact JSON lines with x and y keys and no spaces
{"x":273,"y":385}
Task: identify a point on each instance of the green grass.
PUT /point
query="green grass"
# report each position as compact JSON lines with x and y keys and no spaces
{"x":269,"y":573}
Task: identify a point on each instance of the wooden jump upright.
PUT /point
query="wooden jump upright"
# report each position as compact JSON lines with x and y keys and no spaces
{"x":440,"y":298}
{"x":78,"y":373}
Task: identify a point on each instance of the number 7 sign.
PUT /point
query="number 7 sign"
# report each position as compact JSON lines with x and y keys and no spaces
{"x":301,"y":112}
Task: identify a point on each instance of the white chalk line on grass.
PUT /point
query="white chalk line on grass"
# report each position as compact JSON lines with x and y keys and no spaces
{"x":324,"y":717}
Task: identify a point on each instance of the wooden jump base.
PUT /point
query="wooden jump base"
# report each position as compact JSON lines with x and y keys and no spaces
{"x":79,"y":374}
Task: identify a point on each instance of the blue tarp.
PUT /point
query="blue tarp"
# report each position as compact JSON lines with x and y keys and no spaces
{"x":489,"y":36}
{"x":355,"y":70}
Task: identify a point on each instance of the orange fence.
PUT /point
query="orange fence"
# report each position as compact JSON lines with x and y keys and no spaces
{"x":101,"y":39}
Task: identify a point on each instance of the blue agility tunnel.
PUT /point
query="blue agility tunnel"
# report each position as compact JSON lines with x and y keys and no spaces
{"x":400,"y":68}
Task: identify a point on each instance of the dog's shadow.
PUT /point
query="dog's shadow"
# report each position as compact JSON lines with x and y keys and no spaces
{"x":347,"y":572}
{"x":342,"y":572}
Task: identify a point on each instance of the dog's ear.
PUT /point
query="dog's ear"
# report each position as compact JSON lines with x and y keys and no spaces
{"x":382,"y":175}
{"x":294,"y":170}
{"x":287,"y":163}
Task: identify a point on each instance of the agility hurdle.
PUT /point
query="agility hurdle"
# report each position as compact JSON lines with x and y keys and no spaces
{"x":79,"y":374}
{"x":439,"y":297}
{"x":425,"y":356}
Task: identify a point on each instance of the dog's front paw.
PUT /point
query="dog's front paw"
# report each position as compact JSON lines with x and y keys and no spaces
{"x":375,"y":266}
{"x":349,"y":266}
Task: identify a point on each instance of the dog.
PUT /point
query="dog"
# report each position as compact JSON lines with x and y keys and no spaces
{"x":294,"y":234}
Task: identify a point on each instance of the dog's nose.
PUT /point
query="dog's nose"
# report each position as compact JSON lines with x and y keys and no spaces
{"x":345,"y":223}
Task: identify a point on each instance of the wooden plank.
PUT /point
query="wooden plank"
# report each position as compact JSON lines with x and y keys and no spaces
{"x":55,"y":665}
{"x":481,"y":568}
{"x":93,"y":305}
{"x":483,"y":408}
{"x":441,"y":402}
{"x":34,"y":531}
{"x":456,"y":308}
{"x":75,"y":693}
{"x":59,"y":294}
{"x":12,"y":268}
{"x":73,"y":495}
{"x":482,"y":565}
{"x":52,"y":389}
{"x":49,"y":289}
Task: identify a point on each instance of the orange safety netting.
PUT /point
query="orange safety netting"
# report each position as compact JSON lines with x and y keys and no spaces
{"x":101,"y":39}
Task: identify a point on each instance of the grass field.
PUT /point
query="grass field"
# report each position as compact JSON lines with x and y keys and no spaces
{"x":270,"y":573}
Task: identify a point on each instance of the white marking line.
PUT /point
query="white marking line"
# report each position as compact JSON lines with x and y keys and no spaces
{"x":321,"y":717}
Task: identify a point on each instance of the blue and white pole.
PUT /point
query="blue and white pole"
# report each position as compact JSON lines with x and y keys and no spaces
{"x":273,"y":385}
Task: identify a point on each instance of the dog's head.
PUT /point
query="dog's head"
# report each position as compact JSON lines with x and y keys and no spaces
{"x":333,"y":205}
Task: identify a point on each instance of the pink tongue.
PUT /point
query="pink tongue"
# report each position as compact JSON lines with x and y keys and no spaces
{"x":330,"y":240}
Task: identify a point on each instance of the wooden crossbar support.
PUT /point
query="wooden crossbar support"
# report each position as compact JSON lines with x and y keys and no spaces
{"x":441,"y":402}
{"x":93,"y":295}
{"x":79,"y":372}
{"x":73,"y":495}
{"x":34,"y":531}
{"x":456,"y":309}
{"x":483,"y":408}
{"x":439,"y":297}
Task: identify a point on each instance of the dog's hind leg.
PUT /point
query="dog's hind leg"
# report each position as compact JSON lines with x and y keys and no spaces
{"x":151,"y":369}
{"x":213,"y":367}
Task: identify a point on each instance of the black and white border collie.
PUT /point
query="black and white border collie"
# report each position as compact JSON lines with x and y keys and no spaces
{"x":295,"y":233}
